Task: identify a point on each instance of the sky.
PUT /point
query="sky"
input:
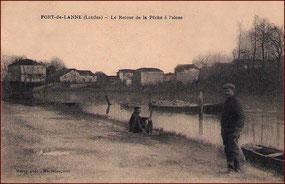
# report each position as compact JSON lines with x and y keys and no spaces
{"x":111,"y":44}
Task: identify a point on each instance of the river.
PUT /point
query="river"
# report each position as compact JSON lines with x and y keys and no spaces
{"x":261,"y":127}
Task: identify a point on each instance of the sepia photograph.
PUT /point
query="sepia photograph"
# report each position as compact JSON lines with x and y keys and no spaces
{"x":142,"y":91}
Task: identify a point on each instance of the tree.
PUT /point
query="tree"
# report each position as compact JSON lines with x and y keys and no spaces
{"x":239,"y":38}
{"x":209,"y":59}
{"x":57,"y":63}
{"x":101,"y":77}
{"x":5,"y":61}
{"x":204,"y":62}
{"x":277,"y":47}
{"x":253,"y":39}
{"x":263,"y":34}
{"x":276,"y":38}
{"x":263,"y":41}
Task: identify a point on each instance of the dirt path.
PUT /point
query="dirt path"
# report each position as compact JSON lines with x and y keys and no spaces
{"x":40,"y":144}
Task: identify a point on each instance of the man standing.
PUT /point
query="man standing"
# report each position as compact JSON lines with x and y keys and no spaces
{"x":232,"y":122}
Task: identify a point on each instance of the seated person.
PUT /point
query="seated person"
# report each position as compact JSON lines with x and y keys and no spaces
{"x":135,"y":123}
{"x":138,"y":124}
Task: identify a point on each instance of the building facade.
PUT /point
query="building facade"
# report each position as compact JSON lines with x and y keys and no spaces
{"x":186,"y":73}
{"x":148,"y":76}
{"x":76,"y":76}
{"x":126,"y":76}
{"x":26,"y":71}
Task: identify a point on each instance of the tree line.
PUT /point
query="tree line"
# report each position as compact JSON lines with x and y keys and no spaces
{"x":264,"y":42}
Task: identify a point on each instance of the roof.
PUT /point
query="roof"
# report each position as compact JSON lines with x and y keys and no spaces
{"x":112,"y":77}
{"x":62,"y":72}
{"x":85,"y":72}
{"x":81,"y":72}
{"x":24,"y":62}
{"x":126,"y":70}
{"x":182,"y":67}
{"x":149,"y":70}
{"x":169,"y":74}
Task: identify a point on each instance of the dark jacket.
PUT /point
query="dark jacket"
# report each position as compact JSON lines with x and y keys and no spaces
{"x":135,"y":123}
{"x":232,"y":119}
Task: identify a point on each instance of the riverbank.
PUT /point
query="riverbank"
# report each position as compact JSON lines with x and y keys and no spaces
{"x":48,"y":144}
{"x":91,"y":95}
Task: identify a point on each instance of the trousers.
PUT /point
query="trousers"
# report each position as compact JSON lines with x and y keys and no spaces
{"x":232,"y":150}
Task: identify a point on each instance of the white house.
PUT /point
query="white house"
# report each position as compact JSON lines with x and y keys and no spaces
{"x":76,"y":76}
{"x":149,"y":76}
{"x":126,"y":76}
{"x":186,"y":73}
{"x":27,"y":71}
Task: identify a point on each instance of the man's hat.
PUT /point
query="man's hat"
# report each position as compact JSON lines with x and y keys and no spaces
{"x":137,"y":107}
{"x":229,"y":86}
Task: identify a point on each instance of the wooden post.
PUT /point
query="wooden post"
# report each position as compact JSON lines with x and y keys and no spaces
{"x":109,"y":104}
{"x":201,"y":113}
{"x":253,"y":132}
{"x":278,"y":133}
{"x":108,"y":109}
{"x":150,"y":107}
{"x":261,"y":138}
{"x":107,"y":99}
{"x":45,"y":94}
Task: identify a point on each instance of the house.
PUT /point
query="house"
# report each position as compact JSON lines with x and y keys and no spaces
{"x":86,"y":76}
{"x":26,"y":71}
{"x":126,"y":76}
{"x":75,"y":76}
{"x":186,"y":73}
{"x":148,"y":76}
{"x":169,"y":77}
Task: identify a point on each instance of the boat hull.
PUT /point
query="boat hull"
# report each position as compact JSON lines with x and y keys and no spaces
{"x":265,"y":157}
{"x":208,"y":109}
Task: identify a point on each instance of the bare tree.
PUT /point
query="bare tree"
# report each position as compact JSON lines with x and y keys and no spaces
{"x":263,"y":37}
{"x":277,"y":47}
{"x":253,"y":39}
{"x":239,"y":38}
{"x":235,"y":53}
{"x":207,"y":60}
{"x":204,"y":62}
{"x":276,"y":37}
{"x":5,"y":61}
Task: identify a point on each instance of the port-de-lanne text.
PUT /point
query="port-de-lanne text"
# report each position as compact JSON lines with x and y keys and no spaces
{"x":112,"y":17}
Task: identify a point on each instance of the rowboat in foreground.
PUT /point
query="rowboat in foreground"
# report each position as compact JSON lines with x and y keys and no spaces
{"x":265,"y":157}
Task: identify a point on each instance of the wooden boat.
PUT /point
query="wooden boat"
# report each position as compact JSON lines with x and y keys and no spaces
{"x":208,"y":108}
{"x":265,"y":157}
{"x":71,"y":104}
{"x":126,"y":105}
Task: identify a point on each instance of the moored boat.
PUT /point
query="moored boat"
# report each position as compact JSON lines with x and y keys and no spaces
{"x":265,"y":157}
{"x":193,"y":109}
{"x":127,"y":105}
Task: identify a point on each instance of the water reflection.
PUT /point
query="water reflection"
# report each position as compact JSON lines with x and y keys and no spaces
{"x":258,"y":129}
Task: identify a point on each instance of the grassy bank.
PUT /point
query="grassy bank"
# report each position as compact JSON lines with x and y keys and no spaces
{"x":53,"y":144}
